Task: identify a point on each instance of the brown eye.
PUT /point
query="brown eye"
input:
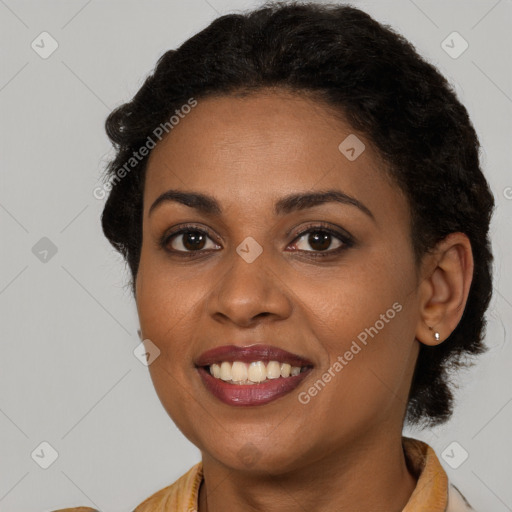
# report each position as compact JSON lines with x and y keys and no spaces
{"x":318,"y":240}
{"x":189,"y":240}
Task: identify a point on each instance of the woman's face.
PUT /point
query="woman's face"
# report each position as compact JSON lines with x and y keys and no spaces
{"x":349,"y":305}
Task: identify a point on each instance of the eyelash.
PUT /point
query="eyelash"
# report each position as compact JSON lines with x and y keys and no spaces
{"x":345,"y":239}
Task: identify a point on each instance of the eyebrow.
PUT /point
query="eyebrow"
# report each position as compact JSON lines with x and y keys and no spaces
{"x":301,"y":201}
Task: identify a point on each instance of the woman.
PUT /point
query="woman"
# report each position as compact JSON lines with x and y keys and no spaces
{"x":299,"y":198}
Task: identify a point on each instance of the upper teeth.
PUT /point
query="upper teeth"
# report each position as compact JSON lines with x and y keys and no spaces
{"x":256,"y":371}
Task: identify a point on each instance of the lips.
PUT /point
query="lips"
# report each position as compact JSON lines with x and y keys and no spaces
{"x":257,"y":393}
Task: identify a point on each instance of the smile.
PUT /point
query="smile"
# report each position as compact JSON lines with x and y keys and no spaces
{"x":251,"y":375}
{"x":242,"y":373}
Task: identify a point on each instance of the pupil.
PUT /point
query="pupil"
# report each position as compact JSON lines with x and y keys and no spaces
{"x":193,"y":240}
{"x":322,"y":240}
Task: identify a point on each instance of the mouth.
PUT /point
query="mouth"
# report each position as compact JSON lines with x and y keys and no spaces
{"x":251,"y":375}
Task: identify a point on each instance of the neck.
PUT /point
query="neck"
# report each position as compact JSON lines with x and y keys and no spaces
{"x":371,"y":475}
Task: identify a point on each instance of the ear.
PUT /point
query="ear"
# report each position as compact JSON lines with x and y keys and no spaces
{"x":444,"y":290}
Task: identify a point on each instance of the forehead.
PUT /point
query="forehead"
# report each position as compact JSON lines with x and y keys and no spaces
{"x":266,"y":145}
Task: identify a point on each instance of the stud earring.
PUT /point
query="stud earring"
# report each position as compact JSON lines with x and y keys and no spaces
{"x":437,"y":336}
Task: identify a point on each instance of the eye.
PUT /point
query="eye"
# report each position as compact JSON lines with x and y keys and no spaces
{"x":188,"y":240}
{"x":324,"y":241}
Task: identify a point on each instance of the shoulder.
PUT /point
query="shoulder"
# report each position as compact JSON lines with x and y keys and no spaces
{"x":76,"y":509}
{"x":181,"y":495}
{"x":456,"y":501}
{"x":433,"y":491}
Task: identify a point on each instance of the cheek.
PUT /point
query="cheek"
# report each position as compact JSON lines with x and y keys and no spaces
{"x":341,"y":305}
{"x":364,"y":320}
{"x":167,"y":303}
{"x":166,"y":314}
{"x":167,"y":311}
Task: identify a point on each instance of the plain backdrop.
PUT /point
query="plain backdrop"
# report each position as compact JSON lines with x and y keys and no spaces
{"x":68,"y":376}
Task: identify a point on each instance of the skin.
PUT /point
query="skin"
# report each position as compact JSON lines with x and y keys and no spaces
{"x":342,"y":450}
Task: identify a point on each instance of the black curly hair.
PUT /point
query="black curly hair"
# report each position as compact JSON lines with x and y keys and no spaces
{"x":374,"y":79}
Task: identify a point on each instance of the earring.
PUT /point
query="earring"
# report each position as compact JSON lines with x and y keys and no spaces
{"x":437,"y":336}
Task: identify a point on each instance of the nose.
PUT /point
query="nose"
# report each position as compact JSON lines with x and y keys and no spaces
{"x":250,"y":292}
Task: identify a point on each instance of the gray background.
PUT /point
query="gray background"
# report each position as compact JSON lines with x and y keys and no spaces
{"x":68,"y":375}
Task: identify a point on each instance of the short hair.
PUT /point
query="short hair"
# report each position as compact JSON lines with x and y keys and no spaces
{"x":374,"y":78}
